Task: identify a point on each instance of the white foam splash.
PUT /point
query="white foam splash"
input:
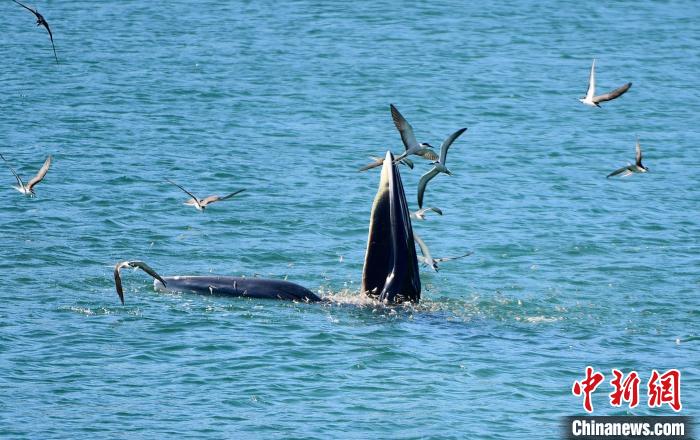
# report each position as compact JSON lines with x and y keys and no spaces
{"x":538,"y":319}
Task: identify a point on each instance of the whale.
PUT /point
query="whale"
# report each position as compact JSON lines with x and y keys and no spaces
{"x":390,"y":271}
{"x":237,"y":287}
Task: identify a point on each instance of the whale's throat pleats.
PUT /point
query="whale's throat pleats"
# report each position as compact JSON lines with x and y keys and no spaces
{"x":391,"y":272}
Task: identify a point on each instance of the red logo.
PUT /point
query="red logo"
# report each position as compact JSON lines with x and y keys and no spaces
{"x":665,"y":388}
{"x":625,"y":390}
{"x":587,"y":386}
{"x":661,"y":388}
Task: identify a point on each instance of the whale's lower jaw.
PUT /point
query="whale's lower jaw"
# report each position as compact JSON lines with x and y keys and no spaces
{"x":237,"y":287}
{"x":390,"y":271}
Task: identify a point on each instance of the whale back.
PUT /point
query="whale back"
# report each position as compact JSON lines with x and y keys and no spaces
{"x":237,"y":287}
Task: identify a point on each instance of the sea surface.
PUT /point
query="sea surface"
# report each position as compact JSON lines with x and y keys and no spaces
{"x":288,"y":100}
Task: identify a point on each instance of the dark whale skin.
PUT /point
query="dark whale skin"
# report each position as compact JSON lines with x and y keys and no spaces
{"x":237,"y":287}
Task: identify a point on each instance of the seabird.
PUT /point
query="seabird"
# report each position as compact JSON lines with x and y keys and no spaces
{"x":134,"y":264}
{"x":40,"y":21}
{"x":631,"y":169}
{"x":379,"y":161}
{"x":427,"y":259}
{"x":28,"y":189}
{"x":200,"y":204}
{"x":420,"y":214}
{"x":439,"y":165}
{"x":422,"y":149}
{"x":594,"y":101}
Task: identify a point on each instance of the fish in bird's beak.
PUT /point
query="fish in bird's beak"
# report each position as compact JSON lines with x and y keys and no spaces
{"x":391,"y":272}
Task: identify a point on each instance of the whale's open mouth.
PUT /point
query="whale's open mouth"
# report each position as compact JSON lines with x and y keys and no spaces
{"x":391,"y":272}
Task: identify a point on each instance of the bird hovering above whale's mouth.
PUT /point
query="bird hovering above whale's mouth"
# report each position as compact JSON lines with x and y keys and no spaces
{"x":390,"y":272}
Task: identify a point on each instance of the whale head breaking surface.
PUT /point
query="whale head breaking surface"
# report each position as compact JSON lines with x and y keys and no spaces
{"x":390,"y":271}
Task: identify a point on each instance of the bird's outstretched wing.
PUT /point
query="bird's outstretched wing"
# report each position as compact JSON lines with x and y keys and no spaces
{"x":431,"y":208}
{"x":612,"y":95}
{"x":185,"y":191}
{"x":228,"y":196}
{"x":638,"y":155}
{"x":40,"y":175}
{"x":448,"y":142}
{"x":27,"y":8}
{"x":405,"y":129}
{"x":427,"y":153}
{"x":135,"y":264}
{"x":423,"y":182}
{"x":440,"y":260}
{"x":408,"y":162}
{"x":591,"y":82}
{"x":423,"y":247}
{"x":378,"y":161}
{"x":618,"y":171}
{"x":46,"y":25}
{"x":403,"y":159}
{"x":212,"y":199}
{"x":118,"y":279}
{"x":19,"y":179}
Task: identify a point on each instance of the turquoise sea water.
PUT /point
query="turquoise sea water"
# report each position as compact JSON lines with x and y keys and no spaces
{"x":287,"y":99}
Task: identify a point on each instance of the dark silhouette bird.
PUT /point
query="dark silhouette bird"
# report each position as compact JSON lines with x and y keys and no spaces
{"x":41,"y":21}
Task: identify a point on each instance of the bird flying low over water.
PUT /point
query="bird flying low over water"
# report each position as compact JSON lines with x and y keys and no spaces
{"x":379,"y":161}
{"x":200,"y":204}
{"x":631,"y":169}
{"x":422,"y":149}
{"x":134,"y":264}
{"x":41,"y":21}
{"x":593,"y":100}
{"x":420,"y":214}
{"x":439,"y":165}
{"x":427,"y":259}
{"x":28,"y":189}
